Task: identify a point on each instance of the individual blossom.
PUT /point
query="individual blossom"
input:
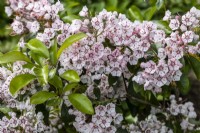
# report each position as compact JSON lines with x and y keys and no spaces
{"x":174,"y":24}
{"x":187,"y":37}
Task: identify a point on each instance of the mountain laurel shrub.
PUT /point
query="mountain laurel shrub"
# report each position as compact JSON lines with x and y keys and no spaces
{"x":98,"y":74}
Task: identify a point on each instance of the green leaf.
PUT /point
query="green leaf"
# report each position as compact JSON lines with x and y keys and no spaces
{"x":56,"y":82}
{"x":160,"y":4}
{"x":71,"y":76}
{"x":19,"y":82}
{"x":164,"y":25}
{"x":184,"y":84}
{"x":135,"y":13}
{"x":38,"y":47}
{"x":52,"y":73}
{"x":41,"y":97}
{"x":28,"y":65}
{"x":195,"y":64}
{"x":137,"y":88}
{"x":148,"y":14}
{"x":5,"y":110}
{"x":70,"y":18}
{"x":42,"y":74}
{"x":13,"y":56}
{"x":81,"y":103}
{"x":53,"y":51}
{"x":54,"y":102}
{"x":37,"y":58}
{"x":70,"y":86}
{"x":69,"y":41}
{"x":111,"y":5}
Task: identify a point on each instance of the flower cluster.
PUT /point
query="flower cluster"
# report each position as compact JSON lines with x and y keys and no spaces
{"x":30,"y":14}
{"x":150,"y":125}
{"x":183,"y":30}
{"x":155,"y":75}
{"x":105,"y":119}
{"x":186,"y":110}
{"x":29,"y":122}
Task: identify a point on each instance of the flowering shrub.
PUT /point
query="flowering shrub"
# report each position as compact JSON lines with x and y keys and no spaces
{"x":98,"y":74}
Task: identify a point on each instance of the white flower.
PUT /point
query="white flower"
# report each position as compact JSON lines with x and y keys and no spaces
{"x":188,"y":36}
{"x":174,"y":24}
{"x":84,"y":12}
{"x":8,"y":11}
{"x":167,"y":15}
{"x":17,"y":27}
{"x":34,"y":26}
{"x":188,"y":19}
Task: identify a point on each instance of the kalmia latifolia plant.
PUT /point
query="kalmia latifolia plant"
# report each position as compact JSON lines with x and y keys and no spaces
{"x":98,"y":74}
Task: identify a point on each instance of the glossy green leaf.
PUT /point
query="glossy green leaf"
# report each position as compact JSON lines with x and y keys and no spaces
{"x":13,"y":56}
{"x":28,"y":66}
{"x":160,"y":4}
{"x":70,"y":86}
{"x":37,"y":58}
{"x":81,"y":103}
{"x":164,"y":25}
{"x":41,"y":97}
{"x":184,"y":84}
{"x":52,"y":73}
{"x":56,"y":82}
{"x":19,"y":82}
{"x":70,"y":18}
{"x":54,"y":102}
{"x":195,"y":64}
{"x":38,"y":47}
{"x":42,"y":74}
{"x":148,"y":14}
{"x":53,"y":53}
{"x":69,"y":41}
{"x":71,"y":76}
{"x":135,"y":13}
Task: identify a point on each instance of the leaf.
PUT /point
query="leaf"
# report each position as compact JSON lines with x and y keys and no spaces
{"x":19,"y":82}
{"x":41,"y":97}
{"x":81,"y":103}
{"x":160,"y":4}
{"x":54,"y":102}
{"x":71,"y":76}
{"x":148,"y":14}
{"x":37,"y":58}
{"x":52,"y":52}
{"x":135,"y":13}
{"x":38,"y":47}
{"x":13,"y":56}
{"x":111,"y":5}
{"x":5,"y":110}
{"x":69,"y":41}
{"x":184,"y":84}
{"x":70,"y":86}
{"x":70,"y":18}
{"x":137,"y":88}
{"x":52,"y":73}
{"x":164,"y":25}
{"x":195,"y":64}
{"x":56,"y":82}
{"x":42,"y":74}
